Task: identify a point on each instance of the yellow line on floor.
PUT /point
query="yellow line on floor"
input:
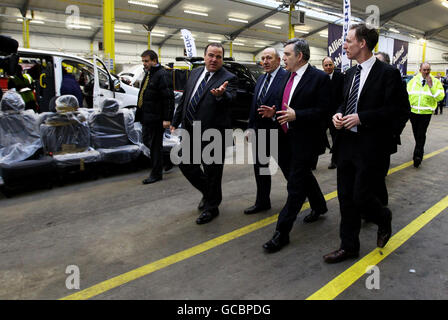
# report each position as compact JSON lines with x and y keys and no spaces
{"x":188,"y":253}
{"x":339,"y":284}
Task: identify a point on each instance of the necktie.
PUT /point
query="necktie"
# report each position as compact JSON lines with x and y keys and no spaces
{"x":191,"y":109}
{"x":145,"y":84}
{"x":353,"y":97}
{"x":286,"y":95}
{"x":423,"y":82}
{"x":264,"y":90}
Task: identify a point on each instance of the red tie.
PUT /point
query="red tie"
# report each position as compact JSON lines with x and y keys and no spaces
{"x":286,"y":95}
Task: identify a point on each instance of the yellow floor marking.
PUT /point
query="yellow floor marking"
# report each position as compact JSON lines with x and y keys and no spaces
{"x":338,"y":285}
{"x":188,"y":253}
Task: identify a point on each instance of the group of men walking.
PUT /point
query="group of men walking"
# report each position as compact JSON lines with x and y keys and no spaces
{"x":366,"y":111}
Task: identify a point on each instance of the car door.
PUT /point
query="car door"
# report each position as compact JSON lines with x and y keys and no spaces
{"x":103,"y":86}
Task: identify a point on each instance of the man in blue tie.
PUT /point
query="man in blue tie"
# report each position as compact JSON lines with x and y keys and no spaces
{"x":207,"y":99}
{"x":266,"y":95}
{"x":365,"y":123}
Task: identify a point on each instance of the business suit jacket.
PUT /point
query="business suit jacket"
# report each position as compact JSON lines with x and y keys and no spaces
{"x":337,"y":91}
{"x":211,"y":111}
{"x":380,"y":104}
{"x":311,"y":101}
{"x":270,"y":99}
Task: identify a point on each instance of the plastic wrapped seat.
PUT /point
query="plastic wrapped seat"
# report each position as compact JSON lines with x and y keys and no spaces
{"x":66,"y":135}
{"x":113,"y":134}
{"x":21,"y":157}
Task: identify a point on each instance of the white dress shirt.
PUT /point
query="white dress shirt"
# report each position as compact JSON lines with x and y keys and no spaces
{"x":297,"y":78}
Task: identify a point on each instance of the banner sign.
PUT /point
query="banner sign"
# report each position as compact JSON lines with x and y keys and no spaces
{"x":400,"y":56}
{"x":190,"y":46}
{"x":334,"y":49}
{"x":346,"y":63}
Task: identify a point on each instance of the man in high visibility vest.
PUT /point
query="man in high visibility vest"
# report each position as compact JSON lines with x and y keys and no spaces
{"x":424,"y":92}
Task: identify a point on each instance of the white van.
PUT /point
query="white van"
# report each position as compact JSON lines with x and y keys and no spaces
{"x":46,"y":69}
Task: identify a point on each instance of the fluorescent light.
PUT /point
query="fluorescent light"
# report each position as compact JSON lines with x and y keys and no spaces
{"x":214,"y":40}
{"x":238,"y":20}
{"x":323,"y":35}
{"x":79,"y":26}
{"x":32,"y":21}
{"x":394,"y":30}
{"x":258,"y":46}
{"x":197,"y":13}
{"x":445,"y":3}
{"x":239,"y":44}
{"x":143,"y":3}
{"x":122,"y":31}
{"x":272,"y":26}
{"x":301,"y":31}
{"x":160,"y":35}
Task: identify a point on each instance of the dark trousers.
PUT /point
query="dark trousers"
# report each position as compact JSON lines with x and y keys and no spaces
{"x":301,"y":185}
{"x":420,"y":123}
{"x":153,"y":139}
{"x":333,"y":132}
{"x":283,"y":159}
{"x":205,"y":177}
{"x":358,"y":178}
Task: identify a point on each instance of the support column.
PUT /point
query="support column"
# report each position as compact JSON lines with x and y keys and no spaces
{"x":160,"y":55}
{"x":109,"y":33}
{"x":231,"y":48}
{"x":149,"y":40}
{"x":291,"y":33}
{"x":424,"y":51}
{"x":26,"y":32}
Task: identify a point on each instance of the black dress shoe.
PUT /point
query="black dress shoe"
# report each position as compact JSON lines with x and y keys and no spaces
{"x":201,"y":204}
{"x":207,"y":216}
{"x":339,"y":256}
{"x":417,"y":161}
{"x":256,"y":209}
{"x":151,"y":180}
{"x":384,"y":229}
{"x":313,"y":216}
{"x":277,"y":242}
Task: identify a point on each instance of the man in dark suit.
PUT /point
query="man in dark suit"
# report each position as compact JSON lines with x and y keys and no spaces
{"x":266,"y":94}
{"x":337,"y":96}
{"x":365,"y":123}
{"x":302,"y":118}
{"x":155,"y":109}
{"x":207,"y":99}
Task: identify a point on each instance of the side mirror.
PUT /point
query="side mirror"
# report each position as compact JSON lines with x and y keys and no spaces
{"x":117,"y":84}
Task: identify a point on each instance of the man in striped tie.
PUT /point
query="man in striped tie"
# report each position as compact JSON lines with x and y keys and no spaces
{"x":365,"y":124}
{"x":207,"y":99}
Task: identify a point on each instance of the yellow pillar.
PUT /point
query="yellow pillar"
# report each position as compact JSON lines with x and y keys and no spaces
{"x":231,"y":49}
{"x":108,"y":32}
{"x":291,"y":33}
{"x":26,"y":32}
{"x":424,"y":51}
{"x":91,"y":47}
{"x":149,"y":40}
{"x":160,"y":55}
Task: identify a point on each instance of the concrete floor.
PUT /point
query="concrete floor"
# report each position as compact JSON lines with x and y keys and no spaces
{"x":114,"y":225}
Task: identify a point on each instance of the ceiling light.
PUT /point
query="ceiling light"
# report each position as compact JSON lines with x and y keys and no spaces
{"x":445,"y":4}
{"x":79,"y":26}
{"x":272,"y":26}
{"x":214,"y":40}
{"x":238,"y":20}
{"x":301,"y":31}
{"x":197,"y":13}
{"x":258,"y":46}
{"x":323,"y":35}
{"x":239,"y":44}
{"x":122,"y":31}
{"x":160,"y":35}
{"x":32,"y":21}
{"x":394,"y":30}
{"x":143,"y":3}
